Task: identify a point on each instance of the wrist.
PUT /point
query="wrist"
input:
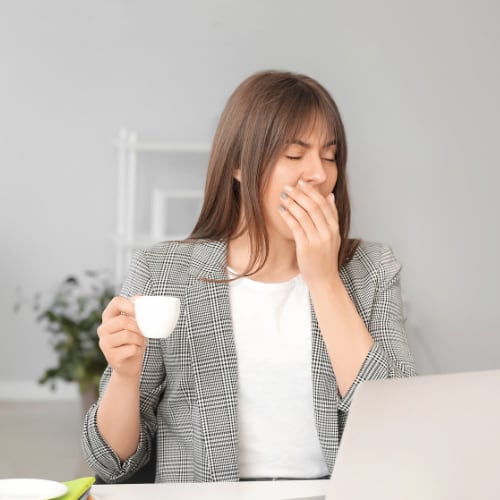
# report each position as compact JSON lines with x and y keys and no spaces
{"x":125,"y":381}
{"x":327,"y":285}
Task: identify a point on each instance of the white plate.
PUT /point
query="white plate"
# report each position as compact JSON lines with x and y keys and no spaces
{"x":30,"y":489}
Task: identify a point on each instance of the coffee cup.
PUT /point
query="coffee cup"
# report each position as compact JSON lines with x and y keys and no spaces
{"x":156,"y":315}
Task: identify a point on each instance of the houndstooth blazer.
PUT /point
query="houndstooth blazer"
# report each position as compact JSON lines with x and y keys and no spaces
{"x":189,"y":382}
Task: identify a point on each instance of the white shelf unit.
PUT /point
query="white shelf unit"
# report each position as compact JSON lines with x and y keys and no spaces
{"x":131,"y":152}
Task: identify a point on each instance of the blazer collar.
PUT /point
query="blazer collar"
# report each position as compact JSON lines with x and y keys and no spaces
{"x":213,"y":355}
{"x":209,"y":260}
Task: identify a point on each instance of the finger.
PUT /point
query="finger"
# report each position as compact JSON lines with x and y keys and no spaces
{"x":121,"y":339}
{"x":117,"y":324}
{"x":119,"y":358}
{"x":331,"y":200}
{"x":297,"y":230}
{"x":118,"y":305}
{"x":302,"y":217}
{"x":311,"y":202}
{"x":328,"y":208}
{"x":112,"y":345}
{"x":307,"y":212}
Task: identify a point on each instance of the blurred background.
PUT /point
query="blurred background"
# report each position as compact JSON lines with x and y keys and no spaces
{"x":416,"y":83}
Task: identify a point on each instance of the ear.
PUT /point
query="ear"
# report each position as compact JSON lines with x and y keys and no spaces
{"x":237,"y":174}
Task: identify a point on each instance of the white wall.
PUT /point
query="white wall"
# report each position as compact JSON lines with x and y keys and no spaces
{"x":417,"y":83}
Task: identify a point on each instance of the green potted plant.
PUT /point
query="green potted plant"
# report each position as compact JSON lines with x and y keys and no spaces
{"x":72,"y":315}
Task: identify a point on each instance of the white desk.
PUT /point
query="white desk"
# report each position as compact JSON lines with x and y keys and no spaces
{"x":245,"y":490}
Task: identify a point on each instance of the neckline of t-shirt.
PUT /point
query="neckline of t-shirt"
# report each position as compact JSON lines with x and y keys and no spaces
{"x":269,"y":285}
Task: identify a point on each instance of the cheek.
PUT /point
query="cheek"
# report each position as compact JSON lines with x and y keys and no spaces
{"x":329,"y":185}
{"x":275,"y":187}
{"x":272,"y":201}
{"x":333,"y":179}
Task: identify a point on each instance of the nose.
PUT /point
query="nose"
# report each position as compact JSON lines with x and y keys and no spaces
{"x":315,"y":171}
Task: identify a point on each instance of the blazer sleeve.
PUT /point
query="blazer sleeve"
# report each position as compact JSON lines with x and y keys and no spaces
{"x":99,"y":455}
{"x":390,"y":355}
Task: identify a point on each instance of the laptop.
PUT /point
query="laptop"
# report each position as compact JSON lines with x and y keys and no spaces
{"x":434,"y":437}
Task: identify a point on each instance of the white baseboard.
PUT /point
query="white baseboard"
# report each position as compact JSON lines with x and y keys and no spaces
{"x":30,"y":390}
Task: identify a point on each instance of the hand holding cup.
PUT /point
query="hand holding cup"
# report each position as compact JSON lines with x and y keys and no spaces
{"x":156,"y":315}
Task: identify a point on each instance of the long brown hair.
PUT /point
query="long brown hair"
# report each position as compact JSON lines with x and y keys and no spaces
{"x":265,"y":112}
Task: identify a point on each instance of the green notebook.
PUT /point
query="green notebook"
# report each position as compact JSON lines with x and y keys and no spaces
{"x":78,"y":489}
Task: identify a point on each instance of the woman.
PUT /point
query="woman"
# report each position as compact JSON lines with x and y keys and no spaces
{"x":282,"y":315}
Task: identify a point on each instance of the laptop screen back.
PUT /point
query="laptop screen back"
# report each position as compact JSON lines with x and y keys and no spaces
{"x":426,"y":438}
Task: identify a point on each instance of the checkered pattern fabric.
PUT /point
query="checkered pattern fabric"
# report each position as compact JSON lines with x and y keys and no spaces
{"x":189,"y":384}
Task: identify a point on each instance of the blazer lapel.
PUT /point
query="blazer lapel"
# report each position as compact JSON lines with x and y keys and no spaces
{"x":214,"y":362}
{"x":325,"y":391}
{"x":324,"y":395}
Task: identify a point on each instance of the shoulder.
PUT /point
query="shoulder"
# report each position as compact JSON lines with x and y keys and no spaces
{"x":195,"y":256}
{"x":372,"y":262}
{"x":168,"y":267}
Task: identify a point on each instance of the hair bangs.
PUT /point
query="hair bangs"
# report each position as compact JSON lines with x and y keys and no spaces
{"x":307,"y":111}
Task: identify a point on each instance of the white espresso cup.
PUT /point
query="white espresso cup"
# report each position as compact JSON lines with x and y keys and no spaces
{"x":156,"y":315}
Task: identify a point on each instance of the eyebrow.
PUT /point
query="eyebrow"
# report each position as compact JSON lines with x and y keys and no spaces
{"x":306,"y":145}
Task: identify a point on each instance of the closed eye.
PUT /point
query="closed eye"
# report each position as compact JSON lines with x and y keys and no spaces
{"x":290,"y":157}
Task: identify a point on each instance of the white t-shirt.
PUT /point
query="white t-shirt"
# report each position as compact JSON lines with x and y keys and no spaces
{"x":276,"y":428}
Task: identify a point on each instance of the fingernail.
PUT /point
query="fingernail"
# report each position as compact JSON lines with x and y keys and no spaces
{"x":301,"y":183}
{"x":281,"y":208}
{"x":332,"y":196}
{"x":283,"y":195}
{"x":287,"y":188}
